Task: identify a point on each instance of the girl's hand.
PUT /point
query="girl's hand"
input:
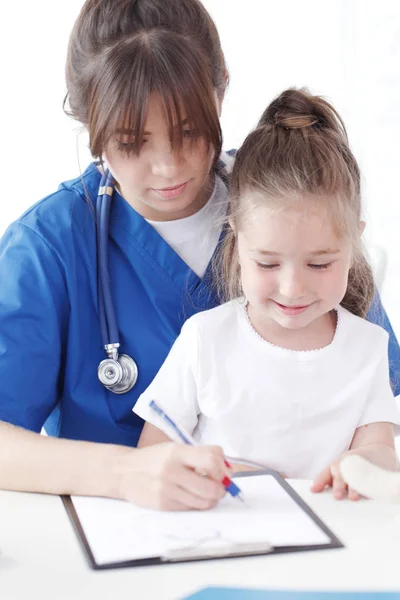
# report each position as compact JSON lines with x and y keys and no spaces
{"x":331,"y":477}
{"x":375,"y":442}
{"x":172,"y":477}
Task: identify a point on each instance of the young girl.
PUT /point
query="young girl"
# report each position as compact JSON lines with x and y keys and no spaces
{"x":288,"y":373}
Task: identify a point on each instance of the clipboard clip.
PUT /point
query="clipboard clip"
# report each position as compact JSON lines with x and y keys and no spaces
{"x":216,"y":551}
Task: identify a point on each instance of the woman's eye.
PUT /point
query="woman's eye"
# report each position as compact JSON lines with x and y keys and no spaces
{"x":128,"y":147}
{"x":320,"y":267}
{"x":190,"y":133}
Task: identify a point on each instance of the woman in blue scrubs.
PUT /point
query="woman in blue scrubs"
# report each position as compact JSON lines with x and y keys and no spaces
{"x":147,"y":79}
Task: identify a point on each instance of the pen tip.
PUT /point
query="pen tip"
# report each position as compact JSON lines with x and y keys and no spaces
{"x":242,"y":500}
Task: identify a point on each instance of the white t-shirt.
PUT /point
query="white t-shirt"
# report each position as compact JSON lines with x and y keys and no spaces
{"x":293,"y":411}
{"x":195,"y":238}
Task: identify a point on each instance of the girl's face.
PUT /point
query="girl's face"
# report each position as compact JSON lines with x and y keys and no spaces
{"x":161,"y":184}
{"x":294,"y":267}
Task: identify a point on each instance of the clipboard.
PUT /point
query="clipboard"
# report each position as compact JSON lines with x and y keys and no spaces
{"x":198,"y":552}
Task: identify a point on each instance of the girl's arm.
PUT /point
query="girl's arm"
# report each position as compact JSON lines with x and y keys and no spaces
{"x":163,"y":477}
{"x":152,"y":435}
{"x":374,"y":442}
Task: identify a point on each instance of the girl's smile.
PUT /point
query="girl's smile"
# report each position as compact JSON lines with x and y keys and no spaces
{"x":291,"y":311}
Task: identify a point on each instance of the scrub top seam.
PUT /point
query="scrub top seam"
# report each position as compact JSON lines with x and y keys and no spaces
{"x":91,"y":212}
{"x":53,"y":252}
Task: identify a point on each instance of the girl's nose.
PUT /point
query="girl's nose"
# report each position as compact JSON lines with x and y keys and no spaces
{"x":292,"y":286}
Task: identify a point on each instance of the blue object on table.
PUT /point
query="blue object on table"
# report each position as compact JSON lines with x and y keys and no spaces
{"x":219,"y":593}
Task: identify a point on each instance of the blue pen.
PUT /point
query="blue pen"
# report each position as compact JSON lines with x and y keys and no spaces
{"x":230,"y":487}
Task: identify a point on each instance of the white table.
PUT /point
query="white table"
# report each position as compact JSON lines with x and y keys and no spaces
{"x":42,"y":559}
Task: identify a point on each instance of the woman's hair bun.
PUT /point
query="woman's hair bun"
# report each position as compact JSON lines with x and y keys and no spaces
{"x":298,"y":109}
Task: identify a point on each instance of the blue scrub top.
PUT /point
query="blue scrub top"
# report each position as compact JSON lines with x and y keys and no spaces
{"x":50,"y":342}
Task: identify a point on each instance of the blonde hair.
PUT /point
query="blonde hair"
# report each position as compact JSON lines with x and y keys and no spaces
{"x":299,"y":148}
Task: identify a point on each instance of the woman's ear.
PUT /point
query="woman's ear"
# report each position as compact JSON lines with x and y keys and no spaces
{"x":218,"y":101}
{"x":362,"y":227}
{"x":221,"y":95}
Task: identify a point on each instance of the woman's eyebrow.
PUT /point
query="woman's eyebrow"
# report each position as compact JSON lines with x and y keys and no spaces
{"x":123,"y":131}
{"x":182,"y":122}
{"x":128,"y":131}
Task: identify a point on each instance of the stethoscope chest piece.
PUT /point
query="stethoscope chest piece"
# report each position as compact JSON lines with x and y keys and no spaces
{"x":118,"y":375}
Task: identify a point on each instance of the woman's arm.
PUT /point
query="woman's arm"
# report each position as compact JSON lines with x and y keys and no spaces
{"x":377,"y":314}
{"x":161,"y":477}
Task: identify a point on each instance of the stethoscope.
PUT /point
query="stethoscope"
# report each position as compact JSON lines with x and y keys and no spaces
{"x":118,"y":372}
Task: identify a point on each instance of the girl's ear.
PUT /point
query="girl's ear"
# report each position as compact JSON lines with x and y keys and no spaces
{"x":362,"y":227}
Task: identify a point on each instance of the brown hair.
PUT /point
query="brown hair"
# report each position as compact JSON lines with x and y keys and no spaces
{"x":298,"y":149}
{"x":121,"y":51}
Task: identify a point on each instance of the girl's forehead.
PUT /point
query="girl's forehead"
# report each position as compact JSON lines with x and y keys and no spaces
{"x":307,"y":228}
{"x":289,"y":213}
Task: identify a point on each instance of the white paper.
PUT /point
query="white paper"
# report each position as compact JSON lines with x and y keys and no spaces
{"x":118,"y":531}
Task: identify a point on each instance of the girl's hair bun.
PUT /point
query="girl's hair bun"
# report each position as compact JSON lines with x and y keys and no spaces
{"x":298,"y":109}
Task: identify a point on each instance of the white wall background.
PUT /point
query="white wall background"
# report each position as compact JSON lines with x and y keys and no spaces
{"x":346,"y":50}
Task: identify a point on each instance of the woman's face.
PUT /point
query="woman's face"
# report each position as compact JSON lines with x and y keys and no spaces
{"x":161,"y":184}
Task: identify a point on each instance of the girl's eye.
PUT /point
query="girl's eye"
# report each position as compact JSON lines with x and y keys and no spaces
{"x":320,"y":267}
{"x":267,"y":266}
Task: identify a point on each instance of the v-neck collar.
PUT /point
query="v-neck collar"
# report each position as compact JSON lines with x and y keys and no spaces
{"x":128,"y":227}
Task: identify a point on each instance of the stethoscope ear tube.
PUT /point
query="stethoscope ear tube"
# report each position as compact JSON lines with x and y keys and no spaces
{"x":118,"y":373}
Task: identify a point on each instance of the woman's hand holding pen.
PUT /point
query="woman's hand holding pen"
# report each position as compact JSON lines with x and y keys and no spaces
{"x":172,"y":477}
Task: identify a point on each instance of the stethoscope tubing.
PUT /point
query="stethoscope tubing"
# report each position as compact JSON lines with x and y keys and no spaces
{"x":118,"y":372}
{"x":108,"y":322}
